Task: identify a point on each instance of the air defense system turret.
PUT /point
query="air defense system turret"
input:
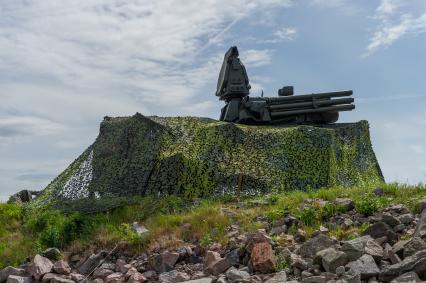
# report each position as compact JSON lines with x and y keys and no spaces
{"x":233,"y":87}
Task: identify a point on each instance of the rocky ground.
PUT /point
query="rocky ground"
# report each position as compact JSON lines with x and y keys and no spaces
{"x":391,"y":248}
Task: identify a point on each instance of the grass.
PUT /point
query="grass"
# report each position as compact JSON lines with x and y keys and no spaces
{"x":173,"y":221}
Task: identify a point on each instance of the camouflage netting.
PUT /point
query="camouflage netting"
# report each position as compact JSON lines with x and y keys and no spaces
{"x":199,"y":157}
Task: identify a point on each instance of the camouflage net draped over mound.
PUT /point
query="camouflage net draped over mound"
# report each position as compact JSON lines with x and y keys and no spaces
{"x":198,"y":157}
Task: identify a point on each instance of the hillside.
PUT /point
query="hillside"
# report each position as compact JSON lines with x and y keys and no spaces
{"x":326,"y":235}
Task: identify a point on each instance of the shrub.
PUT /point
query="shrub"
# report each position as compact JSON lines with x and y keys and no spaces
{"x":308,"y":216}
{"x":206,"y":241}
{"x":367,"y":206}
{"x":282,"y":263}
{"x":329,"y":210}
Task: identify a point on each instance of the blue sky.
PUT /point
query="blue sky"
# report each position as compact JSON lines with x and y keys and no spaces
{"x":66,"y":64}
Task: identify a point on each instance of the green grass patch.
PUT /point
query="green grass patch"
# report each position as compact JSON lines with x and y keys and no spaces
{"x":172,"y":220}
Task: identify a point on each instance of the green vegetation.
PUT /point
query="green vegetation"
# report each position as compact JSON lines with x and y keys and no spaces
{"x":367,"y":206}
{"x":174,"y":220}
{"x":197,"y":158}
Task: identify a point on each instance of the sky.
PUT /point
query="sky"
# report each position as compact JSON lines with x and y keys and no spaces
{"x":64,"y":65}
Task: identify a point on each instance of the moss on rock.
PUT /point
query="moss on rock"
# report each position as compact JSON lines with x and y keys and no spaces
{"x":199,"y":157}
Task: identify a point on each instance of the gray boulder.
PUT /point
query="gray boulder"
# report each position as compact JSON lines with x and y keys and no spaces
{"x":278,"y":230}
{"x":18,"y":279}
{"x":347,"y":203}
{"x":381,"y":229}
{"x":416,"y":262}
{"x":215,"y":264}
{"x":406,"y":218}
{"x":365,"y":266}
{"x":314,"y":245}
{"x":62,"y":267}
{"x":78,"y":277}
{"x":398,"y":247}
{"x":165,"y":261}
{"x":374,"y":249}
{"x":422,"y":205}
{"x":421,"y":226}
{"x":355,"y":248}
{"x":389,"y":254}
{"x":39,"y":266}
{"x":235,"y":275}
{"x":117,"y":277}
{"x":201,"y":280}
{"x":6,"y":272}
{"x":332,"y":259}
{"x":409,"y":277}
{"x":55,"y":278}
{"x":390,"y":219}
{"x":91,"y":263}
{"x":414,"y":245}
{"x":173,"y":276}
{"x":102,"y":273}
{"x":315,"y":279}
{"x":233,"y":257}
{"x":278,"y":278}
{"x":399,"y":228}
{"x":52,"y":253}
{"x":299,"y":262}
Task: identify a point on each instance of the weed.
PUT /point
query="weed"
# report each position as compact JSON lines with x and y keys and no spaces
{"x":281,"y":263}
{"x":367,"y":206}
{"x":308,"y":216}
{"x":206,"y":241}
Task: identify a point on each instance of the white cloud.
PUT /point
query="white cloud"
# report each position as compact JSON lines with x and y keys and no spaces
{"x":394,"y":24}
{"x":63,"y":66}
{"x":387,"y":8}
{"x":26,"y":125}
{"x":119,"y":49}
{"x":345,"y":6}
{"x":256,"y":58}
{"x":286,"y":33}
{"x":282,"y":34}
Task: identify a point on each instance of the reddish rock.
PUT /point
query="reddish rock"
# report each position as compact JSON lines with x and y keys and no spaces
{"x":262,"y":258}
{"x":256,"y":237}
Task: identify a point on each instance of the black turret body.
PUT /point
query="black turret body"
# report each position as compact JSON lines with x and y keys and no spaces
{"x":233,"y":87}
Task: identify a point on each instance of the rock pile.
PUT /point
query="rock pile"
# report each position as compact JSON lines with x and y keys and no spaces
{"x":391,"y":249}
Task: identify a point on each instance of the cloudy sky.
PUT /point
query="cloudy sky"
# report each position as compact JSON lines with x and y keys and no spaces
{"x":66,"y":64}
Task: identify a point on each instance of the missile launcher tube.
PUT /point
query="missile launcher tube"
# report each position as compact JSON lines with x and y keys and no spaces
{"x":309,"y":111}
{"x":311,"y":104}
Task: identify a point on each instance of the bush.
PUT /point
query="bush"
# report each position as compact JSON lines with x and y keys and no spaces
{"x":329,"y":210}
{"x":367,"y":206}
{"x":308,"y":216}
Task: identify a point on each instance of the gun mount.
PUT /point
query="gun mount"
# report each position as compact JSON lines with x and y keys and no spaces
{"x":233,"y":87}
